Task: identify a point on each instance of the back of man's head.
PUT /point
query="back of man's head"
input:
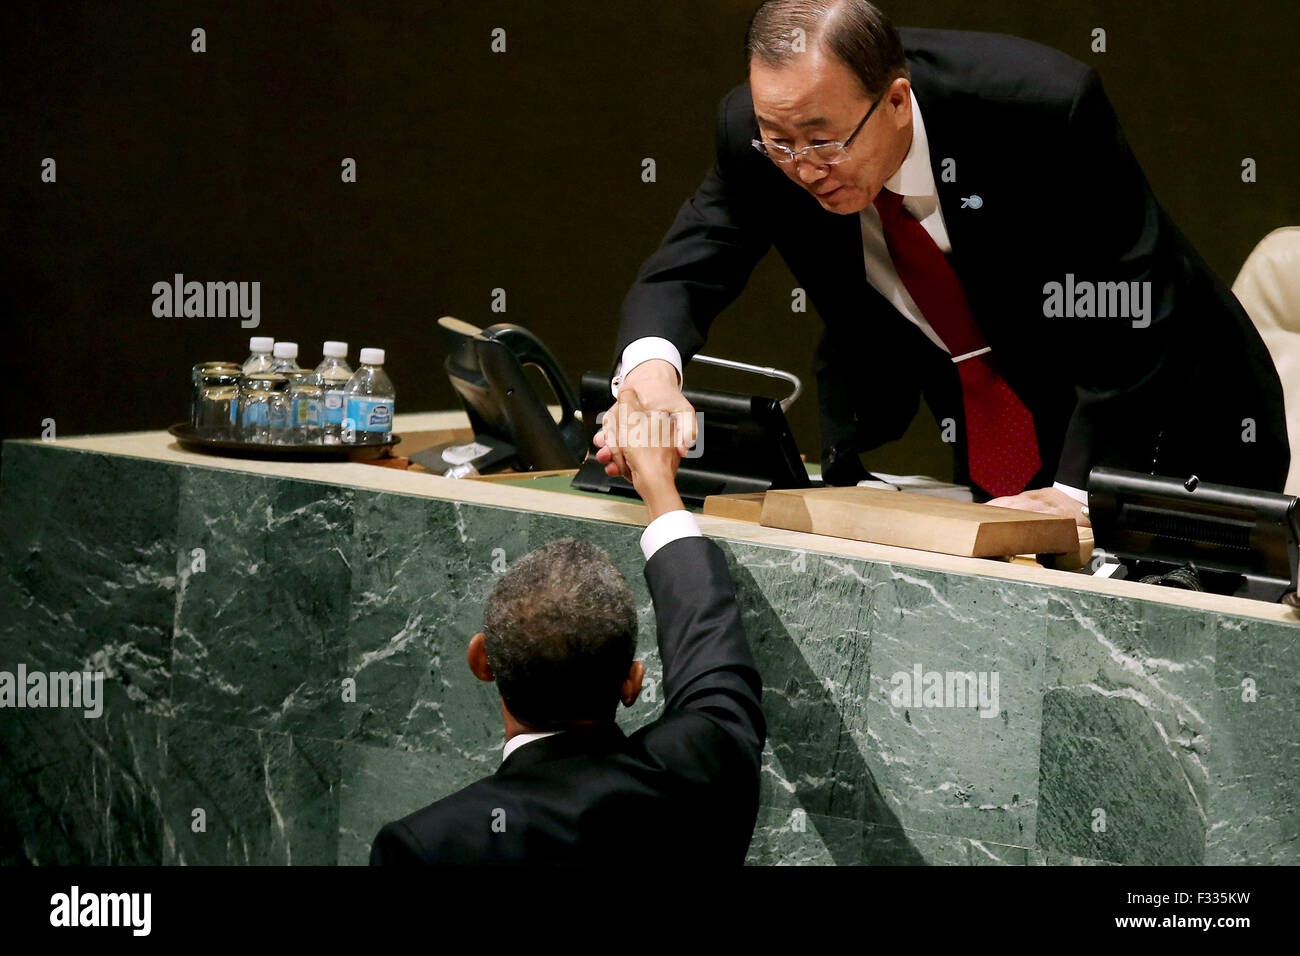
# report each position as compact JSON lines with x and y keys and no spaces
{"x":560,"y":631}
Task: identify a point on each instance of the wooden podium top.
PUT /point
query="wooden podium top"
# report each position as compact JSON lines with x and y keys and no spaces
{"x":923,"y":522}
{"x":161,"y":447}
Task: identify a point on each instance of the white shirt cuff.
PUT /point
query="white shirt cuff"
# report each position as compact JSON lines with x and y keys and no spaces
{"x":669,"y":526}
{"x":1077,"y":494}
{"x":642,"y":350}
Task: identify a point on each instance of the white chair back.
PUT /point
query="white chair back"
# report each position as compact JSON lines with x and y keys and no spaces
{"x":1268,"y":287}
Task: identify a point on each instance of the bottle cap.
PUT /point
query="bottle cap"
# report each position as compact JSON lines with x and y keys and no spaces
{"x":261,"y":343}
{"x":335,"y":350}
{"x":286,"y":350}
{"x":372,"y":356}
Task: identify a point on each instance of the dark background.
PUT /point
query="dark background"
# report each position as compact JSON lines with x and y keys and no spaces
{"x":478,"y":170}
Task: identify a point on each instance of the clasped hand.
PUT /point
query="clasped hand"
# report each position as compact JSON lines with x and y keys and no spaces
{"x":650,"y":428}
{"x":640,"y":443}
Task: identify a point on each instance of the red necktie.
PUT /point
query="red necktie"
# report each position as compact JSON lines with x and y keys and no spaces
{"x":1000,"y":443}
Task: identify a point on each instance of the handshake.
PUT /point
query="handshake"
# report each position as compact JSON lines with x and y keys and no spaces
{"x":645,"y":434}
{"x":650,"y":428}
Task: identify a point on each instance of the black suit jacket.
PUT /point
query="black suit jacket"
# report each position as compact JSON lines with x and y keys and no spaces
{"x":682,"y":789}
{"x":1031,"y":133}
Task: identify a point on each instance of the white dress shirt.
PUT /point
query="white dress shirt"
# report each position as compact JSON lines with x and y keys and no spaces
{"x":518,"y":740}
{"x":914,"y":181}
{"x":669,"y":526}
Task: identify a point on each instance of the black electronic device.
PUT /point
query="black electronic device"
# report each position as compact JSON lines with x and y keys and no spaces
{"x":744,"y":445}
{"x":513,"y":428}
{"x":1240,"y":541}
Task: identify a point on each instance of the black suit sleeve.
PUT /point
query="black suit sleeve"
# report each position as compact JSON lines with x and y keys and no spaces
{"x":1170,"y":391}
{"x":703,"y":262}
{"x":708,"y":666}
{"x":1119,"y":234}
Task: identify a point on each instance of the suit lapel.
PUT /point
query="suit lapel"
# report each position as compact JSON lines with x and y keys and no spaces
{"x":960,"y":198}
{"x":973,"y":192}
{"x":843,"y":257}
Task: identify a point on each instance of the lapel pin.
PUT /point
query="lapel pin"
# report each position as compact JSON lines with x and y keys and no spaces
{"x":972,"y":201}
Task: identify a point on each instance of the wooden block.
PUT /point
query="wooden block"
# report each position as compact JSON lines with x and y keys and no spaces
{"x":1071,"y":560}
{"x":918,"y":521}
{"x":742,"y":507}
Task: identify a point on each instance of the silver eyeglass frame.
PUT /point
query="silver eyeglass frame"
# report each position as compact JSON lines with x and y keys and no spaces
{"x":791,"y":155}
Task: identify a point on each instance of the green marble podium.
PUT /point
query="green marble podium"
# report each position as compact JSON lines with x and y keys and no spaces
{"x":283,"y":651}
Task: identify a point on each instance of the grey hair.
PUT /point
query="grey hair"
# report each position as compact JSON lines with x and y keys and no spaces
{"x":561,"y":629}
{"x":854,"y":31}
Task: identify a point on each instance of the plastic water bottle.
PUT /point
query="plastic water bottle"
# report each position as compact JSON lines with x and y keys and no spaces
{"x":286,"y":357}
{"x":260,"y":347}
{"x":369,"y":397}
{"x":259,"y":360}
{"x":264,"y":412}
{"x":304,"y":404}
{"x":335,"y":373}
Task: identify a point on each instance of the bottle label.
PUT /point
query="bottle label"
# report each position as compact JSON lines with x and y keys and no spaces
{"x":278,"y":415}
{"x":306,"y":412}
{"x":334,"y":406}
{"x":371,"y":414}
{"x":255,"y":414}
{"x":234,"y":411}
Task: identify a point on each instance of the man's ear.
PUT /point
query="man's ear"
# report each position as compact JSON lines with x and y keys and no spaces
{"x":476,"y":657}
{"x":632,"y":683}
{"x":899,"y":99}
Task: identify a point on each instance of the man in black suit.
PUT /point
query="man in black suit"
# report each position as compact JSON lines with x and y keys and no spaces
{"x":963,"y":212}
{"x":558,"y":637}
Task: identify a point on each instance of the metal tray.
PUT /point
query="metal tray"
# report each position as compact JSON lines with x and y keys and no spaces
{"x":190,"y":440}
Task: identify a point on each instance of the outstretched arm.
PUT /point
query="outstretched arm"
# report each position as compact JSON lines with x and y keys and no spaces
{"x":708,"y":666}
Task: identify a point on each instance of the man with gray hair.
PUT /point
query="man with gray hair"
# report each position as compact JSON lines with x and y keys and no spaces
{"x":963,"y":212}
{"x":559,"y":634}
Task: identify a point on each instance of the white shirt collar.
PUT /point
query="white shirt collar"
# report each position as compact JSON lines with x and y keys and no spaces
{"x":914,"y":177}
{"x":518,"y":740}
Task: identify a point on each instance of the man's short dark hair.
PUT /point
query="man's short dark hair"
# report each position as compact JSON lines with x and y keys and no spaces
{"x":855,"y":31}
{"x":560,"y":630}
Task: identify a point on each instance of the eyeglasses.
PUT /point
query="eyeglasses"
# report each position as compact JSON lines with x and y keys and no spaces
{"x":823,"y":154}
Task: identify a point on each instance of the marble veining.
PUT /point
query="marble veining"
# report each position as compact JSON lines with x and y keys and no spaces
{"x":284,"y":671}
